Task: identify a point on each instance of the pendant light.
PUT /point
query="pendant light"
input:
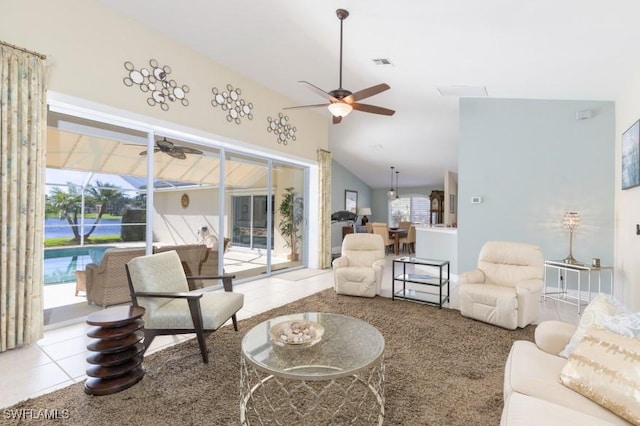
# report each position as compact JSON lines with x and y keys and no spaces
{"x":391,"y":194}
{"x":397,"y":194}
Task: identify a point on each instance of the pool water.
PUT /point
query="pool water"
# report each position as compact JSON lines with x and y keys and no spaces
{"x":61,"y":264}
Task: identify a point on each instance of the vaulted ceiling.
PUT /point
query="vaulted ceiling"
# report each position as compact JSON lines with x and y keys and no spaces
{"x":544,"y":49}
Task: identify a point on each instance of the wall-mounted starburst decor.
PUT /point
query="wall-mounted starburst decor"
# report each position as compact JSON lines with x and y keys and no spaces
{"x":155,"y":81}
{"x":281,"y":127}
{"x":231,"y":102}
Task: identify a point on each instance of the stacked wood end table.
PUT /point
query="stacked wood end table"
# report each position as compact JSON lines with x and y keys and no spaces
{"x":116,"y":363}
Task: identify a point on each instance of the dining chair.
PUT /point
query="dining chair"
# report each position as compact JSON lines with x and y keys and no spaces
{"x":409,"y":242}
{"x":382,"y":229}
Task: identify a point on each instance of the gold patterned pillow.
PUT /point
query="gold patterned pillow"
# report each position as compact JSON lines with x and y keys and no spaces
{"x":604,"y":367}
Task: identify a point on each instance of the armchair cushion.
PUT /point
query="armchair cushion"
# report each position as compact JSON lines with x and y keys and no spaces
{"x":175,"y":313}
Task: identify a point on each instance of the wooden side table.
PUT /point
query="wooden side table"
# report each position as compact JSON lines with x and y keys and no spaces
{"x":117,"y":362}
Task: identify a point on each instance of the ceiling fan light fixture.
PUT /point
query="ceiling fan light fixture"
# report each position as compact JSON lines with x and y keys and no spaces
{"x":340,"y":109}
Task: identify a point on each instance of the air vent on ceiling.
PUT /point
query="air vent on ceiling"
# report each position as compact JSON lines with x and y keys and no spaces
{"x":382,"y":61}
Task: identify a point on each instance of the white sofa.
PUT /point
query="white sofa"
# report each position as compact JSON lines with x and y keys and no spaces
{"x":533,"y":393}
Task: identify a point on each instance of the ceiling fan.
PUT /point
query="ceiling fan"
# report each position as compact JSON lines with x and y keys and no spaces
{"x":175,"y":151}
{"x":342,"y":101}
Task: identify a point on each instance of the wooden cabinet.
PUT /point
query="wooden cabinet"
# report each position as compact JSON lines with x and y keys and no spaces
{"x":437,"y":207}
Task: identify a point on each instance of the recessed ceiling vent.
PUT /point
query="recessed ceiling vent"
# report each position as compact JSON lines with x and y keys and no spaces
{"x":382,"y":61}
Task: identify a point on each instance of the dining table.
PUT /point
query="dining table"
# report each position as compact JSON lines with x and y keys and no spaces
{"x":397,"y":233}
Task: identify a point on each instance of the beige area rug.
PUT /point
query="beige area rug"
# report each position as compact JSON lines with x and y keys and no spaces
{"x":301,"y":274}
{"x":441,"y":369}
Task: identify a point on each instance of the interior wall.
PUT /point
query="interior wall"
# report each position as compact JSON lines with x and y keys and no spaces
{"x":627,"y":204}
{"x":87,"y":45}
{"x":341,"y":180}
{"x":531,"y":161}
{"x":451,"y":197}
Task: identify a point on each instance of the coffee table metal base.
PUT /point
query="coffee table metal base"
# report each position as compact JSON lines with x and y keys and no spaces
{"x":357,"y":399}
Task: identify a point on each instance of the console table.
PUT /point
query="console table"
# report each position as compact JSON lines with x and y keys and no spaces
{"x":587,"y":277}
{"x":408,"y":275}
{"x":117,"y":362}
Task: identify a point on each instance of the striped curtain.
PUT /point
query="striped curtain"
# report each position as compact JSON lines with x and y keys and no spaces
{"x":22,"y":166}
{"x":324,"y":162}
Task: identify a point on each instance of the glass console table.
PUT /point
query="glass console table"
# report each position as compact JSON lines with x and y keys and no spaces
{"x":418,"y":285}
{"x":557,"y":273}
{"x":338,"y":380}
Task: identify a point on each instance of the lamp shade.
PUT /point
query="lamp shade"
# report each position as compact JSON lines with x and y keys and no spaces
{"x":571,"y":220}
{"x":364,"y":211}
{"x":340,"y":109}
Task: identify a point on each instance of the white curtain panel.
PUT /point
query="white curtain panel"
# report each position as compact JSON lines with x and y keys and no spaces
{"x":22,"y":168}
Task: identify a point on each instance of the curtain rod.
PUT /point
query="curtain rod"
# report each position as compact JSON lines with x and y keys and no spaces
{"x":22,"y":49}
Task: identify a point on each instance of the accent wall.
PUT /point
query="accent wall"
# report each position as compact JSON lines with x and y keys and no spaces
{"x":530,"y":161}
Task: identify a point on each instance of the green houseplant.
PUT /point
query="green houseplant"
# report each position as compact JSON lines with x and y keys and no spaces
{"x":291,"y":216}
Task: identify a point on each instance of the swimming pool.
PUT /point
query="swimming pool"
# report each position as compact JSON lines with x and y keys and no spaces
{"x":61,"y":263}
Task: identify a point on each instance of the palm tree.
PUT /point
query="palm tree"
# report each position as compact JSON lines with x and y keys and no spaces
{"x":104,"y":195}
{"x":67,"y":205}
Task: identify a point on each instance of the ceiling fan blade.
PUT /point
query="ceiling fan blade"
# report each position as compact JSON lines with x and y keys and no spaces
{"x":337,"y":120}
{"x":154,"y":151}
{"x":177,"y":154}
{"x":319,"y":91}
{"x":373,"y":109}
{"x":366,"y":93}
{"x":188,"y":150}
{"x":307,"y":106}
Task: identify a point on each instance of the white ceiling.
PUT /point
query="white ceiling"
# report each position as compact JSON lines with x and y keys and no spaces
{"x":543,"y":49}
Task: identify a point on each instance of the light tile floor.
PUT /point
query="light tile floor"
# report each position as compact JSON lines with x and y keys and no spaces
{"x":59,"y":358}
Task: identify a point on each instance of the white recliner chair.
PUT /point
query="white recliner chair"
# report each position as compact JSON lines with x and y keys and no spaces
{"x":358,"y":271}
{"x":505,"y":289}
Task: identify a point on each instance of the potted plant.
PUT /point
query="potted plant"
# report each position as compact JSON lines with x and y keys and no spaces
{"x":291,"y":216}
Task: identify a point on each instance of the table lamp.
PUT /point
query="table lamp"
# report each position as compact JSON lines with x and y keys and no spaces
{"x":571,"y":221}
{"x":364,"y":212}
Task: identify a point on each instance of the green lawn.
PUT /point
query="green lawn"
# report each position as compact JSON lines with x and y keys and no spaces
{"x":64,"y":241}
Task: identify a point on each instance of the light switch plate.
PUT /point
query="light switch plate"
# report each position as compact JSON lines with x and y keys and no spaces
{"x":476,"y":200}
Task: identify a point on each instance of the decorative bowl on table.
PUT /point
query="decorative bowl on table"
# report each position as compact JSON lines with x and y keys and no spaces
{"x":296,"y":333}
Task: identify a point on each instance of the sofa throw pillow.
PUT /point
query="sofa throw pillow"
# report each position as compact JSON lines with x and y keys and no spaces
{"x":599,"y":308}
{"x":604,"y":368}
{"x":626,"y":324}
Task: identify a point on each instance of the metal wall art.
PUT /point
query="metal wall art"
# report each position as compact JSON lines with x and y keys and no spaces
{"x":281,"y":127}
{"x":230,"y":101}
{"x":155,"y":82}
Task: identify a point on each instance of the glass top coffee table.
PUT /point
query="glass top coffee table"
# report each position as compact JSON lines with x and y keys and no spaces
{"x":335,"y":379}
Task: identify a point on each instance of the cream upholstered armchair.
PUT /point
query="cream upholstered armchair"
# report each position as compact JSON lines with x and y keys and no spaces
{"x":505,"y":289}
{"x":358,"y":271}
{"x":158,"y":283}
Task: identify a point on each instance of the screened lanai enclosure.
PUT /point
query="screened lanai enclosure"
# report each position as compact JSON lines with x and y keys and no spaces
{"x":111,"y":186}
